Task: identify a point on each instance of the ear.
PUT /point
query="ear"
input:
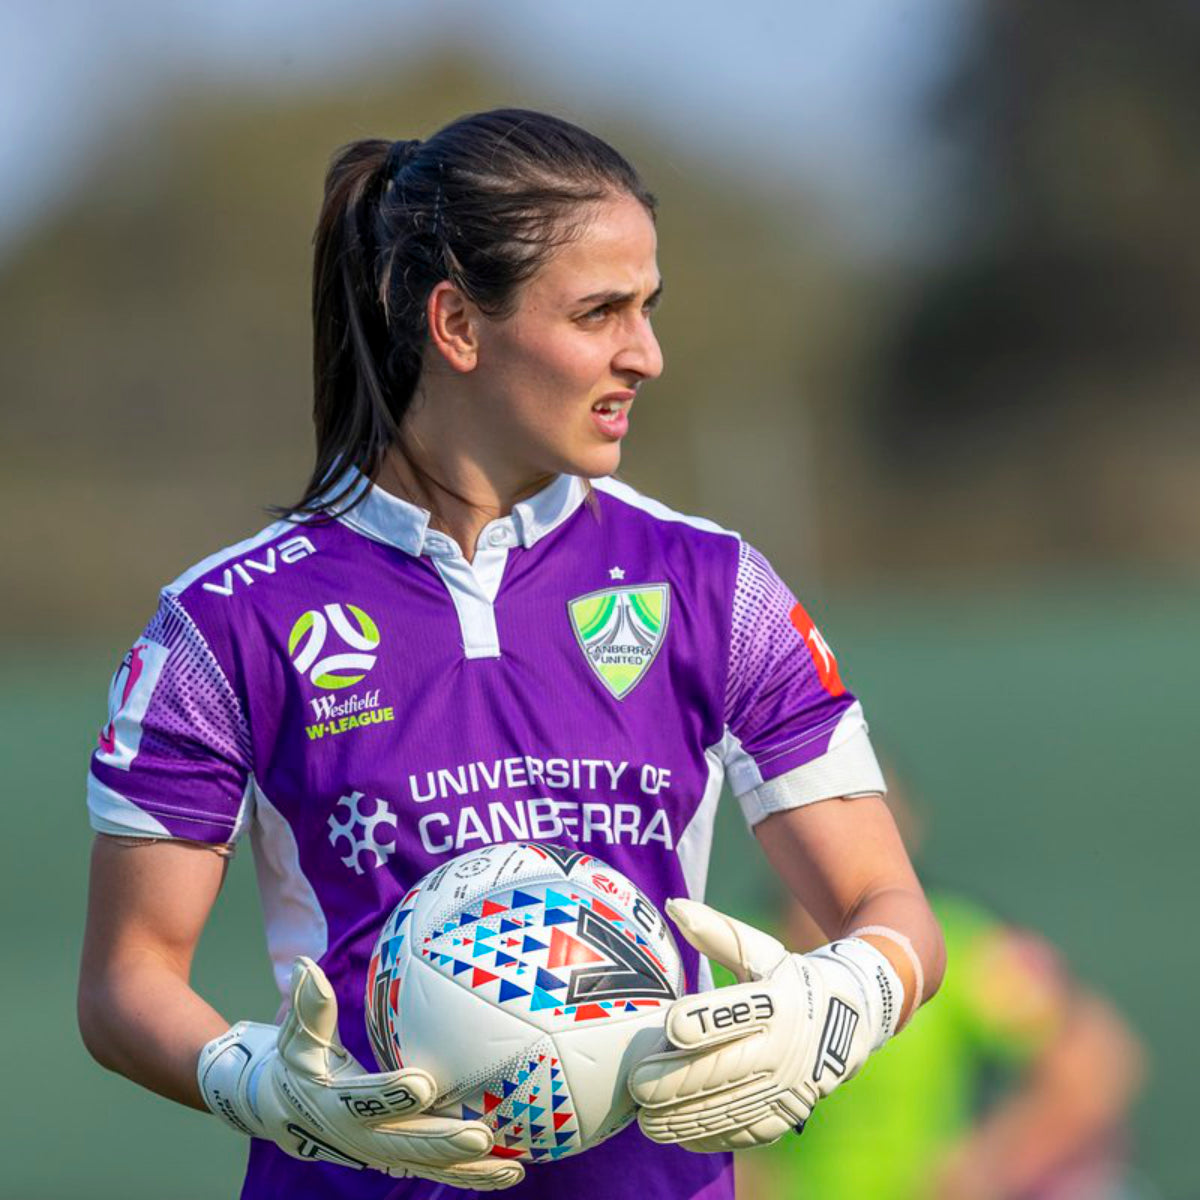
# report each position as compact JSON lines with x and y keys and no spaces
{"x":453,"y":326}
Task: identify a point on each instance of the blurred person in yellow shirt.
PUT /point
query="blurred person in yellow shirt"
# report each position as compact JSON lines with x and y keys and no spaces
{"x":1014,"y":1085}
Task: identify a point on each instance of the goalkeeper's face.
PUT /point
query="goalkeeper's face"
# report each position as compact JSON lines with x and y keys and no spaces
{"x":555,"y":379}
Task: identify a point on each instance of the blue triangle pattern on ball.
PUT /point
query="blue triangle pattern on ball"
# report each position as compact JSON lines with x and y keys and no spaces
{"x":542,"y":999}
{"x":509,"y":990}
{"x":548,"y":981}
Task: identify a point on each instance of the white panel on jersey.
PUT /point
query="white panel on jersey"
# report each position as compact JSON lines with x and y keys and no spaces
{"x":740,"y":769}
{"x":473,"y":587}
{"x":109,"y":812}
{"x":245,"y":812}
{"x":848,"y":768}
{"x":694,"y":846}
{"x":128,"y":698}
{"x":695,"y":842}
{"x":295,"y":922}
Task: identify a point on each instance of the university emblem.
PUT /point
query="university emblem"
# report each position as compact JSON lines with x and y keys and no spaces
{"x":620,"y":630}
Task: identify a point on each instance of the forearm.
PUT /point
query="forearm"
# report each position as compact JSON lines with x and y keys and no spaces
{"x":844,"y":862}
{"x":138,"y":1014}
{"x":141,"y":1019}
{"x":907,"y":913}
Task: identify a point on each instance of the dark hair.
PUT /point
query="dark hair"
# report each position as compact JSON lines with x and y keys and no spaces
{"x":484,"y":203}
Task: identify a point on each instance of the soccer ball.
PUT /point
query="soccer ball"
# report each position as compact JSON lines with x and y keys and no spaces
{"x":527,"y":979}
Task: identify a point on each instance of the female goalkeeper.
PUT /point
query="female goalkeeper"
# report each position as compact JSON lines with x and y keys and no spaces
{"x":395,"y":672}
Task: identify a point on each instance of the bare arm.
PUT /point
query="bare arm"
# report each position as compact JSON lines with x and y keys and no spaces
{"x":844,"y":861}
{"x":147,"y":905}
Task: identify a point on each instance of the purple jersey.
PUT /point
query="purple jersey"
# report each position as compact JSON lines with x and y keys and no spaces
{"x":366,"y":703}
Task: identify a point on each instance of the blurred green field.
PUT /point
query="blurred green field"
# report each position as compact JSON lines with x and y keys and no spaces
{"x":1049,"y":733}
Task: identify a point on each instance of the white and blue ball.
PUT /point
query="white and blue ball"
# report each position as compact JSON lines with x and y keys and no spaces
{"x":527,"y":979}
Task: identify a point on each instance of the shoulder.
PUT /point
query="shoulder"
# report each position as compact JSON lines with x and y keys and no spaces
{"x":233,"y":597}
{"x":629,"y":504}
{"x":280,"y":544}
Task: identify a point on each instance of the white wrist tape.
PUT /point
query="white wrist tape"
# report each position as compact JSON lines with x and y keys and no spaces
{"x":895,"y":936}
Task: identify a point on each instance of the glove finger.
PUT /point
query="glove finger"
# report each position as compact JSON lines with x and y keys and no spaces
{"x":753,"y":1114}
{"x":667,"y":1079}
{"x":748,"y":952}
{"x":490,"y":1175}
{"x":309,"y":1031}
{"x":437,"y":1141}
{"x":721,"y":1015}
{"x":761,"y":1133}
{"x":385,"y":1096}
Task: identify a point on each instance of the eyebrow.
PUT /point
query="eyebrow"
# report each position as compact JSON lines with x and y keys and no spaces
{"x":615,"y":297}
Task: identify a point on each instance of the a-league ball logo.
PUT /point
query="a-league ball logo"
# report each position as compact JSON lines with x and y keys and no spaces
{"x":344,"y":667}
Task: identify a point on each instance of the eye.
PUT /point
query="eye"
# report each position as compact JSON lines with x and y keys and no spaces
{"x":594,"y":316}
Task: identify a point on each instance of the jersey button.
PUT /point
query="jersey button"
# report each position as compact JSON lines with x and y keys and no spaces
{"x":497,"y":537}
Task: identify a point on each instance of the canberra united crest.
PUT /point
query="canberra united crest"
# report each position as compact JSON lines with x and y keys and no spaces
{"x":620,"y":631}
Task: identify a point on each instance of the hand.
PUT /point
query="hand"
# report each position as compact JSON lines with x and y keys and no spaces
{"x":752,"y":1059}
{"x":296,"y":1085}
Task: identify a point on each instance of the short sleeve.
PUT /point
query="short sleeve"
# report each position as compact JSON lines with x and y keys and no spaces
{"x":174,"y":758}
{"x":794,"y":733}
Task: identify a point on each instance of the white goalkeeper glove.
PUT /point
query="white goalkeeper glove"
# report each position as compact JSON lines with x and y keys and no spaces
{"x":296,"y":1085}
{"x":752,"y":1059}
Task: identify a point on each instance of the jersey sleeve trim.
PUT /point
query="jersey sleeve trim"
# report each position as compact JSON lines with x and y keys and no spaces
{"x":110,"y":812}
{"x":848,"y":768}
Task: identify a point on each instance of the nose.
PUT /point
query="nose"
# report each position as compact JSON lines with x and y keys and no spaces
{"x":641,"y":353}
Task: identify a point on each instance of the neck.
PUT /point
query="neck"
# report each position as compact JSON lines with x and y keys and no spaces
{"x":461,"y":497}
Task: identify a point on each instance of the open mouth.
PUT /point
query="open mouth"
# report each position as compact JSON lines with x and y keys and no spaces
{"x":611,"y":414}
{"x":611,"y":407}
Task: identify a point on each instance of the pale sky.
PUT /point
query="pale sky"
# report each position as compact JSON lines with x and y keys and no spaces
{"x":822,"y":90}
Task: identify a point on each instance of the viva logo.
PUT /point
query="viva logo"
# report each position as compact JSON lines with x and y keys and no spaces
{"x":620,"y":631}
{"x":334,"y":645}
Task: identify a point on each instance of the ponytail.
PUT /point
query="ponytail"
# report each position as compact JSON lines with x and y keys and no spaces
{"x":356,"y":413}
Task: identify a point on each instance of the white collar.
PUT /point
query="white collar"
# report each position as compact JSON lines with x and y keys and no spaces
{"x":387,"y":518}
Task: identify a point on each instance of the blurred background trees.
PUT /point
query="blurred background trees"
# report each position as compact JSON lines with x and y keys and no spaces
{"x":1033,"y":391}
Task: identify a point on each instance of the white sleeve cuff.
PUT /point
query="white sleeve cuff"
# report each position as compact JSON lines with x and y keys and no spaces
{"x":849,"y":769}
